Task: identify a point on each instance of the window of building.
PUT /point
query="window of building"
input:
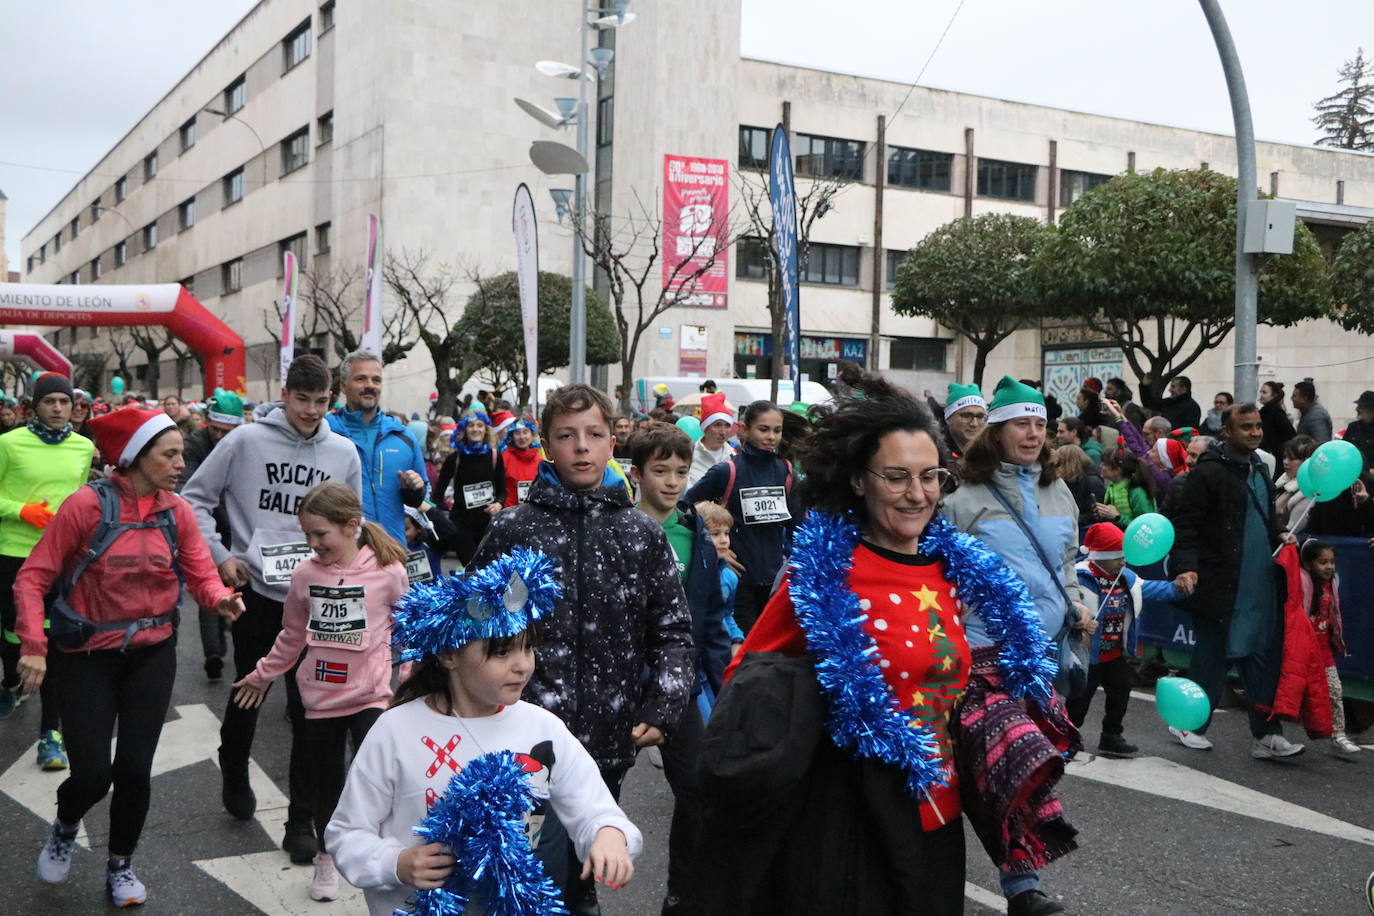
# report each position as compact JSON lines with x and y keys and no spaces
{"x":30,"y":264}
{"x":188,"y":135}
{"x":1073,"y":185}
{"x":95,"y":210}
{"x":189,"y":283}
{"x":326,"y":16}
{"x":296,"y":245}
{"x":605,"y":121}
{"x":235,"y":94}
{"x":121,"y":254}
{"x":919,"y":168}
{"x":149,"y":236}
{"x":121,"y":189}
{"x":295,"y":151}
{"x":75,"y":278}
{"x":1006,"y":180}
{"x":752,"y":258}
{"x":892,"y":262}
{"x":920,"y":354}
{"x":753,"y":147}
{"x":833,"y":264}
{"x":186,"y":214}
{"x":296,"y":46}
{"x":57,"y":243}
{"x":231,"y":275}
{"x":74,"y":226}
{"x":95,"y":268}
{"x":150,"y":166}
{"x":322,"y":238}
{"x":324,"y":128}
{"x":233,"y":187}
{"x":827,"y":157}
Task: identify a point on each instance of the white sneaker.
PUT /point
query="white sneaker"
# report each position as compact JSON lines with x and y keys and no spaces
{"x":1345,"y":745}
{"x":55,"y":858}
{"x":124,"y":887}
{"x":1191,"y":739}
{"x":325,"y":884}
{"x":1275,"y":746}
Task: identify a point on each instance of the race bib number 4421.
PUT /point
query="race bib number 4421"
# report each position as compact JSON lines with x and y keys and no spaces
{"x":761,"y":505}
{"x":338,"y":615}
{"x":279,"y":561}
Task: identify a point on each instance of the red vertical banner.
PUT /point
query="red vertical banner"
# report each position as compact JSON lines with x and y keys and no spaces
{"x":696,"y":230}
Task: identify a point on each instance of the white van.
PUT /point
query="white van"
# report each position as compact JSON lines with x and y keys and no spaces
{"x":738,"y":391}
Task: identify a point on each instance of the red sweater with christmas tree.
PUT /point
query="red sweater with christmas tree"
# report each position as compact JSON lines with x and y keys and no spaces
{"x":914,"y":619}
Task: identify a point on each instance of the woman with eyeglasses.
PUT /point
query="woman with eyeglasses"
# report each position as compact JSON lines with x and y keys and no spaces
{"x":853,"y":804}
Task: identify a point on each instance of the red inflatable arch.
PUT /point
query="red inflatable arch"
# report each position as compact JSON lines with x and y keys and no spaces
{"x":166,"y":304}
{"x":33,"y":351}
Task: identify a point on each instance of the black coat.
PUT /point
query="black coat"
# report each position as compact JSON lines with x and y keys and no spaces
{"x":1361,"y":435}
{"x":617,"y":649}
{"x":1209,"y":528}
{"x":760,"y":547}
{"x":1088,"y":491}
{"x":1180,"y":411}
{"x":706,"y":602}
{"x":1278,"y":428}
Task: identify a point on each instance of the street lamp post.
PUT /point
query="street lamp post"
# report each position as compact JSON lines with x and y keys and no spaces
{"x":262,"y":147}
{"x":577,"y":324}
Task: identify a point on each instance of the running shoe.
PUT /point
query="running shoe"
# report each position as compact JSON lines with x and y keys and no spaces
{"x":1345,"y":745}
{"x":1191,"y":739}
{"x":124,"y":887}
{"x":1271,"y":746}
{"x":55,"y":858}
{"x":325,"y":884}
{"x":52,"y":755}
{"x":10,"y":698}
{"x":1369,"y":891}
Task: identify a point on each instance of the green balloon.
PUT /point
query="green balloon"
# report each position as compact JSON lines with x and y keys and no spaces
{"x":1333,"y":467}
{"x":117,"y":386}
{"x":1305,"y":483}
{"x":799,"y":407}
{"x":691,"y":426}
{"x":1149,"y":538}
{"x":1181,"y":703}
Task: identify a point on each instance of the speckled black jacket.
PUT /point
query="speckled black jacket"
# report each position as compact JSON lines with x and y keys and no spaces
{"x":617,"y":650}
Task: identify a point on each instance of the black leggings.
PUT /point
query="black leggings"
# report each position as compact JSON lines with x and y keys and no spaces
{"x":50,"y":717}
{"x":1115,"y":678}
{"x":325,"y":741}
{"x":96,"y":689}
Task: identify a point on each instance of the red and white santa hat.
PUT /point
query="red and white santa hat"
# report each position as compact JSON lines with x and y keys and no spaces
{"x":1104,"y":541}
{"x":122,"y":434}
{"x":713,"y":410}
{"x":501,"y":419}
{"x":1172,"y":455}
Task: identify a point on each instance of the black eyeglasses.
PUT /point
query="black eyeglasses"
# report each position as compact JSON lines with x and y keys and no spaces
{"x":898,"y":480}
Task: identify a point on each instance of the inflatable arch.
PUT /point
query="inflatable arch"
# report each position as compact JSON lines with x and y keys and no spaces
{"x":31,"y":350}
{"x":166,"y":304}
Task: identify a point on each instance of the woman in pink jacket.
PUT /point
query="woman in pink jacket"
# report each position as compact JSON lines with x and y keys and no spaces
{"x":338,"y":611}
{"x":112,"y":643}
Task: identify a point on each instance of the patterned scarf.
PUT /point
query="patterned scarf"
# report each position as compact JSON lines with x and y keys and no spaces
{"x":49,"y":435}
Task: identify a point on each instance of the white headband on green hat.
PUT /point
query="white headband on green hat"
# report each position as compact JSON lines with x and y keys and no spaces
{"x":1012,"y":400}
{"x":961,"y":396}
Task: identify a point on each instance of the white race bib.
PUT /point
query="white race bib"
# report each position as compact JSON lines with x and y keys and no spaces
{"x":522,"y":490}
{"x":417,"y":567}
{"x":477,"y":495}
{"x":338,"y":615}
{"x":762,"y":505}
{"x":279,"y":561}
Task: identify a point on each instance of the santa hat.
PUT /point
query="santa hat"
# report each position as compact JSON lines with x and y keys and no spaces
{"x":713,"y":410}
{"x":500,"y":419}
{"x":1104,"y":541}
{"x":122,"y":434}
{"x":1093,"y":384}
{"x":1184,"y":434}
{"x":1172,"y":456}
{"x":961,"y":396}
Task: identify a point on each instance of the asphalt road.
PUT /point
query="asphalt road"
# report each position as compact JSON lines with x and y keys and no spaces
{"x":1173,"y":831}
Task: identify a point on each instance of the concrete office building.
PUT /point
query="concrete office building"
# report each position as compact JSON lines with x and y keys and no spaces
{"x":307,"y":116}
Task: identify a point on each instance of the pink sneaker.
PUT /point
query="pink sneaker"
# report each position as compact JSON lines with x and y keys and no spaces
{"x":325,"y":884}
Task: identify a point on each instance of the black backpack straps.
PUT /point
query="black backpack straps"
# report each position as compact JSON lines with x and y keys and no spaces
{"x":108,"y":531}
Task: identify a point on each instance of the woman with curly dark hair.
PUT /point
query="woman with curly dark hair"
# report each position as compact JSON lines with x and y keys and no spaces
{"x":861,"y":652}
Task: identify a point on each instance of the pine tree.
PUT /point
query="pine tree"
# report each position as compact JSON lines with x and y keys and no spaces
{"x":1346,"y":119}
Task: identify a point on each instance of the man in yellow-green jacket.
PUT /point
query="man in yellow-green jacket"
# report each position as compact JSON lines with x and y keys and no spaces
{"x":41,"y":464}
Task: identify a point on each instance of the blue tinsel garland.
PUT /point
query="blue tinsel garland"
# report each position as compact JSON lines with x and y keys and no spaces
{"x":481,"y":817}
{"x":865,"y":716}
{"x":499,"y":600}
{"x":460,"y":442}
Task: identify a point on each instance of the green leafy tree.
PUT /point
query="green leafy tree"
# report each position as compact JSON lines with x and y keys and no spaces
{"x":976,"y":277}
{"x":1346,"y":119}
{"x":494,"y":336}
{"x":1148,"y":261}
{"x":1353,"y":279}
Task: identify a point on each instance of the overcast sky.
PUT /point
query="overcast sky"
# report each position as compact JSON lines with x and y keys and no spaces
{"x":77,"y":75}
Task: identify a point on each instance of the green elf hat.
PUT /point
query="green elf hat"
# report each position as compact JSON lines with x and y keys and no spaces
{"x":961,"y":396}
{"x":1013,"y":399}
{"x":224,"y":407}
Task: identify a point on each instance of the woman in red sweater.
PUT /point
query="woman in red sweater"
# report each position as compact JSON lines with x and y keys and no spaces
{"x":113,"y":630}
{"x":520,"y":454}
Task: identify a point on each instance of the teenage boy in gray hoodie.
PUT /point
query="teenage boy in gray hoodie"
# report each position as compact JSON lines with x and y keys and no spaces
{"x":261,"y":473}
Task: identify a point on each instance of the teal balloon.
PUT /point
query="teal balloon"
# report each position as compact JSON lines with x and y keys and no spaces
{"x":691,"y":426}
{"x":1181,"y":703}
{"x":1331,"y":470}
{"x":1149,"y":538}
{"x":1305,"y":482}
{"x":117,"y":386}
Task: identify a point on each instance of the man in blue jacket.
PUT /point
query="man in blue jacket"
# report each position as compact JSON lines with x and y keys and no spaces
{"x":393,"y":462}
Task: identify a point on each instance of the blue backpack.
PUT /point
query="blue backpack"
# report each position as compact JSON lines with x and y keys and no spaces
{"x":70,"y":628}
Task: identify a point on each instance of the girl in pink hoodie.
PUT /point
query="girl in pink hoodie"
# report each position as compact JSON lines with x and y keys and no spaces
{"x":338,"y":611}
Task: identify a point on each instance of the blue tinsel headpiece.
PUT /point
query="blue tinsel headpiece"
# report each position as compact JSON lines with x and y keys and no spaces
{"x":481,"y":817}
{"x":458,"y":441}
{"x":521,"y":424}
{"x":497,"y":601}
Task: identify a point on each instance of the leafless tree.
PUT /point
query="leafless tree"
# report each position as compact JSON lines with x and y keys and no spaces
{"x":331,"y":303}
{"x":122,"y":346}
{"x":152,"y":340}
{"x":426,"y":293}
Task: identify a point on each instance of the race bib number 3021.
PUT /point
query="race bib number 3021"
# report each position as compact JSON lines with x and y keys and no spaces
{"x":338,"y":615}
{"x":279,"y":561}
{"x":761,"y":505}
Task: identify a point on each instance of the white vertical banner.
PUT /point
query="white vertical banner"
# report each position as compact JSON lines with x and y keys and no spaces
{"x":527,"y":277}
{"x":372,"y":305}
{"x":290,"y":280}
